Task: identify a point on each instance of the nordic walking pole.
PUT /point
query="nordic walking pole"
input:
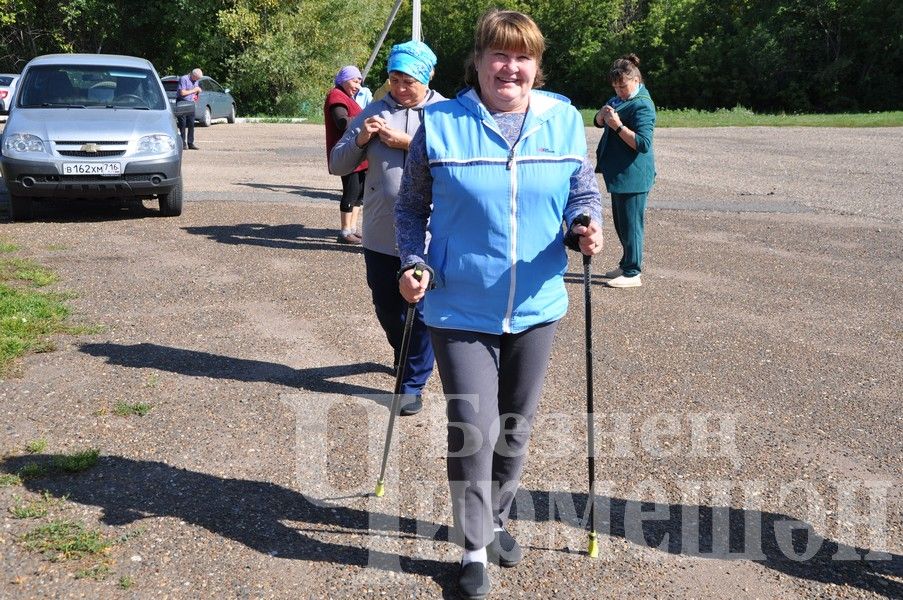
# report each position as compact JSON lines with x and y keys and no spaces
{"x":593,"y":548}
{"x":396,"y":397}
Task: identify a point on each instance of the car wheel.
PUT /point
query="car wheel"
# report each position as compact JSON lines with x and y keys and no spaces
{"x":171,"y":203}
{"x":20,"y":208}
{"x":231,"y":117}
{"x":208,"y":117}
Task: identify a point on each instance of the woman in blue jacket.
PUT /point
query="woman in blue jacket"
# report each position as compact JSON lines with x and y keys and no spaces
{"x":625,"y":159}
{"x":494,"y":173}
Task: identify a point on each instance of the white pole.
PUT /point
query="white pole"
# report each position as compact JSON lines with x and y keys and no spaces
{"x":382,"y":36}
{"x":416,"y":33}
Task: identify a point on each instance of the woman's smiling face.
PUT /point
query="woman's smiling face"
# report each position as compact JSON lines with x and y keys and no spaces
{"x":506,"y":78}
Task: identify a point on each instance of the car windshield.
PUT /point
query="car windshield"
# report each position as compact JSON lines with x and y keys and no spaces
{"x":89,"y":86}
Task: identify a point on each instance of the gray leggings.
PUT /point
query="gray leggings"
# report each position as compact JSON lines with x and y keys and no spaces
{"x":491,"y":383}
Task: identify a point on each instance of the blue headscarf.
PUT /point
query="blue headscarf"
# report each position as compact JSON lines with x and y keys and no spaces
{"x":414,"y":59}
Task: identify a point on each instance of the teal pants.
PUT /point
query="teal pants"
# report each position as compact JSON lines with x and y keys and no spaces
{"x":628,"y":211}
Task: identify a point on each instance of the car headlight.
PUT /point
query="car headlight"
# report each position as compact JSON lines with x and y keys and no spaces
{"x":156,"y":144}
{"x":22,"y":142}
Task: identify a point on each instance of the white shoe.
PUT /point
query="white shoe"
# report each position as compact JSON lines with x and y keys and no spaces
{"x":625,"y":282}
{"x":614,"y":273}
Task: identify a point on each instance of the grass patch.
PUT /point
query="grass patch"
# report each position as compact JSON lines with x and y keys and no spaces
{"x":65,"y":540}
{"x":27,"y":271}
{"x":291,"y":120}
{"x":62,"y":463}
{"x":28,"y":316}
{"x":78,"y":461}
{"x":743,"y":117}
{"x":9,"y":480}
{"x":124,"y":409}
{"x":126,"y":582}
{"x":37,"y":508}
{"x":32,"y":470}
{"x":97,"y":572}
{"x":36,"y":446}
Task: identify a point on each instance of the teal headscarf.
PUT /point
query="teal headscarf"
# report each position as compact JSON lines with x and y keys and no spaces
{"x":412,"y":58}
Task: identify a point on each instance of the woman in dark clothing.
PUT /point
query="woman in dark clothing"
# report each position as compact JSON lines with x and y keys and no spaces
{"x":339,"y":110}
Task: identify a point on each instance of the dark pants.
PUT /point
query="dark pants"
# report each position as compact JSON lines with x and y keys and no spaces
{"x":352,"y":191}
{"x":391,"y":310}
{"x":492,"y":384}
{"x":628,"y":212}
{"x":186,"y":122}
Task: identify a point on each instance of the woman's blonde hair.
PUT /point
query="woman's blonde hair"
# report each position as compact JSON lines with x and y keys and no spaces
{"x":505,"y":30}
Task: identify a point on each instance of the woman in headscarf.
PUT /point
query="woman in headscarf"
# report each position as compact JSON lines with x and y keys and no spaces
{"x":381,"y":135}
{"x":339,"y":109}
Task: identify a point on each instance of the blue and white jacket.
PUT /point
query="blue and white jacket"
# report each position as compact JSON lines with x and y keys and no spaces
{"x":497,"y":211}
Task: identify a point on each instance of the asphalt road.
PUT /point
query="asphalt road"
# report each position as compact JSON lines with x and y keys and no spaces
{"x":748,"y":395}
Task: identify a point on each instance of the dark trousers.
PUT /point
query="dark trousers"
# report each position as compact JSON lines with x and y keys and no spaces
{"x":628,"y":213}
{"x":186,"y":122}
{"x":492,"y":384}
{"x":391,"y":310}
{"x":352,"y":191}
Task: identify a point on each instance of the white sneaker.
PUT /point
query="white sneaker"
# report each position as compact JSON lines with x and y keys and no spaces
{"x":614,"y":273}
{"x":625,"y":282}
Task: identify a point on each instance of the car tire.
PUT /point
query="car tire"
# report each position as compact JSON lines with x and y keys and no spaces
{"x":20,"y":208}
{"x":207,"y":118}
{"x":231,"y":117}
{"x":171,"y":203}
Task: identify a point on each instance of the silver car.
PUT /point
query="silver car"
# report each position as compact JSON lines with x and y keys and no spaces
{"x":91,"y":126}
{"x":215,"y":101}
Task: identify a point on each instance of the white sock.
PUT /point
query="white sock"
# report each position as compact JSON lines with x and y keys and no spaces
{"x":474,"y":556}
{"x":346,"y":232}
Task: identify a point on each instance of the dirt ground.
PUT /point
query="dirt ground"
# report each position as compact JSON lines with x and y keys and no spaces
{"x":748,"y":405}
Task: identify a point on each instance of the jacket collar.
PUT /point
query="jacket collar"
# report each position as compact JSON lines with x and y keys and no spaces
{"x":543,"y":106}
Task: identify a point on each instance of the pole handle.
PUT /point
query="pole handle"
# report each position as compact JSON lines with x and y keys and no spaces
{"x":583,"y":220}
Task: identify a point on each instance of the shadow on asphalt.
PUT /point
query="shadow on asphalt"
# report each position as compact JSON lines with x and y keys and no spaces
{"x":299,"y":190}
{"x":249,"y":512}
{"x":578,"y":278}
{"x":291,"y":237}
{"x":204,"y":364}
{"x":83,"y":211}
{"x":776,"y":541}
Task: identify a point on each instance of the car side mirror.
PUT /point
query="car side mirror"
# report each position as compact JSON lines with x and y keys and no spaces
{"x":183,"y":108}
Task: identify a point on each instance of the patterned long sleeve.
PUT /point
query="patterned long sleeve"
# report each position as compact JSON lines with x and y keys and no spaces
{"x":413,"y":206}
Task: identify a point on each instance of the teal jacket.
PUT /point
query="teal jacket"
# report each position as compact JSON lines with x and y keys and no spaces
{"x":625,"y":170}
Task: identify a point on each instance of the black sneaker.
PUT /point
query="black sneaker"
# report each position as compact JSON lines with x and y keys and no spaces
{"x":413,"y":407}
{"x":473,"y":581}
{"x":504,"y":550}
{"x":193,"y":147}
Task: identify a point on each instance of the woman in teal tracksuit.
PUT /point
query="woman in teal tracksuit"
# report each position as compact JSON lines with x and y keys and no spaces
{"x":625,"y":159}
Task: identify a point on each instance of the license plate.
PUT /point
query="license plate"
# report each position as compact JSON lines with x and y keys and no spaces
{"x":104,"y":169}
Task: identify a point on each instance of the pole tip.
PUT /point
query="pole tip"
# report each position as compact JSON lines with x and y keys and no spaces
{"x":380,"y":489}
{"x":593,"y":549}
